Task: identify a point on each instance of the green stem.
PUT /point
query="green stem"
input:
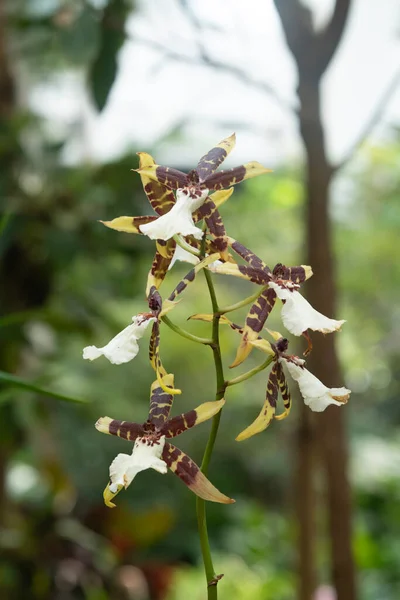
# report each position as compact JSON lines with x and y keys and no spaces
{"x":245,"y":302}
{"x":184,"y":333}
{"x":185,"y":246}
{"x":250,"y":373}
{"x":212,"y":593}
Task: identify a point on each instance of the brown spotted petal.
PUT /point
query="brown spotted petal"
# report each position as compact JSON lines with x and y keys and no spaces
{"x":295,"y":275}
{"x":129,"y":224}
{"x":187,"y":470}
{"x":189,"y":277}
{"x":229,"y":177}
{"x":160,"y":401}
{"x":268,"y":410}
{"x":181,"y":423}
{"x":252,"y":259}
{"x":209,"y":212}
{"x":166,"y":176}
{"x":210,"y":162}
{"x":252,"y":274}
{"x":159,"y":267}
{"x":160,"y":197}
{"x":255,"y":321}
{"x":155,"y":360}
{"x":285,"y":393}
{"x":123,"y":429}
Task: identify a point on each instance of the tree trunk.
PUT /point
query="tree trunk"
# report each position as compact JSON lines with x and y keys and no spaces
{"x":323,"y":362}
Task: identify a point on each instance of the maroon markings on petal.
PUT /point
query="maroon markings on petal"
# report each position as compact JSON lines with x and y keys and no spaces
{"x":182,"y":284}
{"x":210,"y":162}
{"x":260,"y":310}
{"x":155,"y":301}
{"x":283,"y":387}
{"x":154,"y":349}
{"x":187,"y":470}
{"x":252,"y":259}
{"x":293,"y":274}
{"x":160,"y":405}
{"x":226,"y":178}
{"x":160,"y":197}
{"x":272,"y":386}
{"x":255,"y":275}
{"x":209,"y":212}
{"x":179,"y":424}
{"x":125,"y":429}
{"x":172,"y":178}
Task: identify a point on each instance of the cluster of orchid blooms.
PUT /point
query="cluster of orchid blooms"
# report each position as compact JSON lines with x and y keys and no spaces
{"x":180,"y":201}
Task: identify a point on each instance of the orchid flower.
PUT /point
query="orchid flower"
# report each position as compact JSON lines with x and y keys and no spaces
{"x":315,"y":394}
{"x":192,"y":204}
{"x":282,"y":282}
{"x":151,"y":450}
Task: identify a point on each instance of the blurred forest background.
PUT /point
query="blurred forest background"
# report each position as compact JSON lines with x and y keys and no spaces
{"x":84,"y":84}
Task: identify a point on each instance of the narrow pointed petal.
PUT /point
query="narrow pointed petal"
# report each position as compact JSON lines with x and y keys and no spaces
{"x":166,"y":247}
{"x":170,"y":178}
{"x":187,"y":470}
{"x":221,"y":196}
{"x":160,"y":197}
{"x":223,"y":320}
{"x":160,"y":266}
{"x":185,"y":421}
{"x":154,"y":354}
{"x":178,"y":220}
{"x":229,"y":177}
{"x":263,"y":345}
{"x":285,"y":393}
{"x":252,"y":259}
{"x":293,"y":274}
{"x":255,"y":321}
{"x":210,"y":162}
{"x":189,"y":277}
{"x":252,"y":274}
{"x":123,"y":429}
{"x":209,"y":212}
{"x":298,"y":315}
{"x":315,"y":394}
{"x":129,"y":224}
{"x":268,"y":410}
{"x":160,"y":401}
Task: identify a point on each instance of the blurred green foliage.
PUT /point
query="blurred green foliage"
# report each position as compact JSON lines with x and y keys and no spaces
{"x":68,"y":282}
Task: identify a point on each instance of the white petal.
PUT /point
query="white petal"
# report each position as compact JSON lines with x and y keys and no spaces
{"x":184,"y":256}
{"x":123,"y":347}
{"x":144,"y":456}
{"x":178,"y":220}
{"x":315,"y":394}
{"x":298,"y":315}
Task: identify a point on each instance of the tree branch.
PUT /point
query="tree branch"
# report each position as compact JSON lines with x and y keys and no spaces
{"x":372,"y":121}
{"x":329,"y":38}
{"x":206,"y":60}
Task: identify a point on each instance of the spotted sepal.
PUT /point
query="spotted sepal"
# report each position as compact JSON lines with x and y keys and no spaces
{"x":159,"y":267}
{"x":160,"y":197}
{"x":252,"y":259}
{"x":228,"y":177}
{"x":255,"y":321}
{"x":160,"y":401}
{"x":189,"y":277}
{"x":268,"y":410}
{"x":209,"y":212}
{"x":252,"y":274}
{"x":210,"y":162}
{"x":170,"y":178}
{"x":155,"y":360}
{"x":187,"y":470}
{"x":285,"y":393}
{"x":295,"y":275}
{"x":123,"y":429}
{"x":185,"y":421}
{"x":129,"y":224}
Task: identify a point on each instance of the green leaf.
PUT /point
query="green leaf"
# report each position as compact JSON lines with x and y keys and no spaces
{"x":112,"y":35}
{"x":15,"y":381}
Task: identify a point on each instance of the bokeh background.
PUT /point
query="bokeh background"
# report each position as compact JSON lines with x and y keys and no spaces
{"x":311,"y":90}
